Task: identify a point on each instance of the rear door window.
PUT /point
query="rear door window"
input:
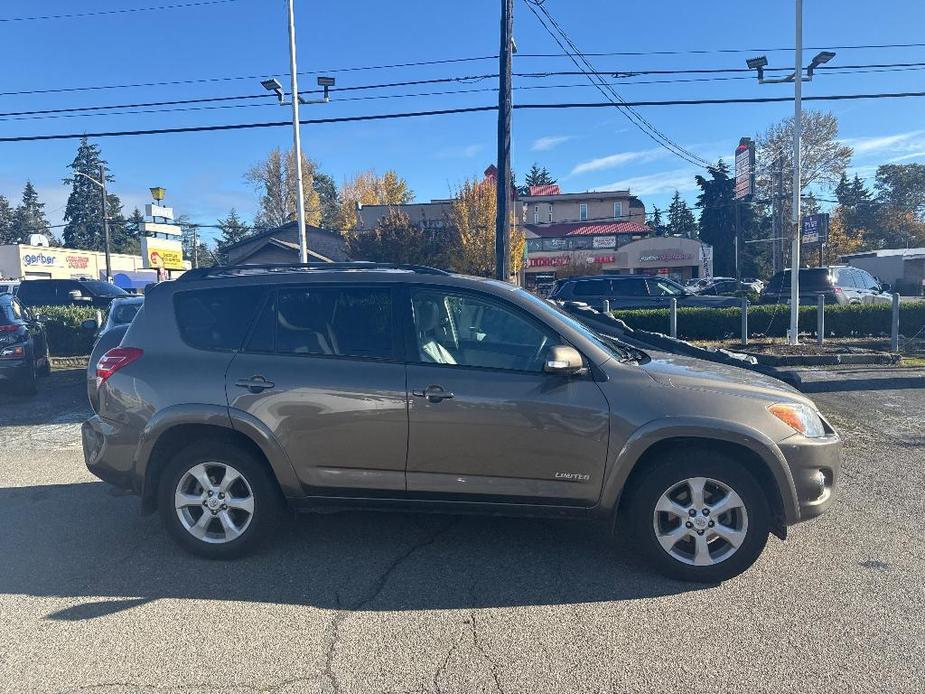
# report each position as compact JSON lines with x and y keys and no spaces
{"x":631,"y":287}
{"x":216,"y":319}
{"x":329,"y":321}
{"x":592,"y":288}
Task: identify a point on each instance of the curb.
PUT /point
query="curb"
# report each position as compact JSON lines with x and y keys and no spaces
{"x":879,"y":358}
{"x":77,"y":362}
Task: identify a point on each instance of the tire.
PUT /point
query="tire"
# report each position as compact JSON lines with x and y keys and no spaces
{"x":673,"y":479}
{"x":27,"y":384}
{"x":232,"y":531}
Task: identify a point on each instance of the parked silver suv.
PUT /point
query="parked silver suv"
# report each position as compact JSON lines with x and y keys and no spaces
{"x":239,"y":391}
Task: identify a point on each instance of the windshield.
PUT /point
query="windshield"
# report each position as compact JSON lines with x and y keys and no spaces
{"x":608,"y":344}
{"x":122,"y":312}
{"x":103,"y":288}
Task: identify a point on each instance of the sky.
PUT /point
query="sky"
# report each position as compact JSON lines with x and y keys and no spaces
{"x":224,"y":48}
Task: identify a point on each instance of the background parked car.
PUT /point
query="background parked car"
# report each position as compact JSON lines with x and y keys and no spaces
{"x":633,"y":291}
{"x":68,"y":293}
{"x":8,"y":286}
{"x":839,"y":284}
{"x":23,"y":346}
{"x":121,"y":313}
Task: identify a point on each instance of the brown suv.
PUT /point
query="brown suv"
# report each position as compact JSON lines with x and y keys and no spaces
{"x":239,"y":391}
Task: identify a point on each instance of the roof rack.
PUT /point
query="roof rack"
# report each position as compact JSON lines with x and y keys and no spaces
{"x":224,"y":271}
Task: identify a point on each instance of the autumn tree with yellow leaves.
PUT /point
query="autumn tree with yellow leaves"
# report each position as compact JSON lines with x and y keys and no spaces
{"x":472,"y":218}
{"x":368,"y":188}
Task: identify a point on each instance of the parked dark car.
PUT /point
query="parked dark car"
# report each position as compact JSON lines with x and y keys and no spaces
{"x":633,"y":291}
{"x":122,"y":312}
{"x":237,"y":392}
{"x":93,"y":293}
{"x":839,"y":284}
{"x":23,"y":346}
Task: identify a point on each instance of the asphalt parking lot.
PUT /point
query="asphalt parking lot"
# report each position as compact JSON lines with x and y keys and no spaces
{"x":95,"y":597}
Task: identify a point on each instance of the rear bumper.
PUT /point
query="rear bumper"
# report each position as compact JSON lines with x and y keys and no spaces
{"x":815,"y":465}
{"x":13,"y":370}
{"x":109,"y":452}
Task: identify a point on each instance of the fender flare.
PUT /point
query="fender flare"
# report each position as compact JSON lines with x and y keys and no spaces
{"x":223,"y":417}
{"x":707,"y":429}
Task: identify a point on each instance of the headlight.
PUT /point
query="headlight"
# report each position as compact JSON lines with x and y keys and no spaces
{"x":802,"y":418}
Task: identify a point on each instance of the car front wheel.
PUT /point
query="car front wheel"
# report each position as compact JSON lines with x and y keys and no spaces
{"x":700,"y":518}
{"x":218,"y":500}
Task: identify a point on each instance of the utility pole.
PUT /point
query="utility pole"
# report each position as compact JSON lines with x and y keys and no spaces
{"x":503,"y":215}
{"x":195,"y":246}
{"x":105,"y":222}
{"x":793,"y":335}
{"x":297,"y":140}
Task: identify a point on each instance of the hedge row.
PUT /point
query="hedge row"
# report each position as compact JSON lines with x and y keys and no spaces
{"x":773,"y":320}
{"x":62,"y":324}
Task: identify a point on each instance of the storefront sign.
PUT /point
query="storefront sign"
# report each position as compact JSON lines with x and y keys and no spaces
{"x":77,"y":262}
{"x":604,"y":242}
{"x":549,"y":261}
{"x":666,"y":257}
{"x":162,"y":254}
{"x":745,"y":169}
{"x":33,"y":259}
{"x":816,"y":228}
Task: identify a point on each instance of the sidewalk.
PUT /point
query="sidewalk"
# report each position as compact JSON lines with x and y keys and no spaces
{"x":835,"y":379}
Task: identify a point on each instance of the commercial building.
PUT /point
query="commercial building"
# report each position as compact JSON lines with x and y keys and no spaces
{"x":21,"y":261}
{"x":281,"y":245}
{"x":604,"y":232}
{"x":902,"y":268}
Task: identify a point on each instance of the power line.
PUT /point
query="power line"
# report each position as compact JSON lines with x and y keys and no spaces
{"x":236,"y":78}
{"x":468,"y":109}
{"x":125,"y":10}
{"x":117,"y":109}
{"x":536,"y":7}
{"x":709,"y":51}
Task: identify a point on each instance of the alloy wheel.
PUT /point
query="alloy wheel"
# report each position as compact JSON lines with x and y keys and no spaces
{"x":214,"y":502}
{"x":700,"y":521}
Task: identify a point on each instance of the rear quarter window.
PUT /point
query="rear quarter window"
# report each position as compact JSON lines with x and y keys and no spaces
{"x":216,"y":319}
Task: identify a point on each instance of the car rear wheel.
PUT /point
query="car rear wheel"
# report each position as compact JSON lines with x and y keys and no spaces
{"x":218,"y":500}
{"x":700,"y":517}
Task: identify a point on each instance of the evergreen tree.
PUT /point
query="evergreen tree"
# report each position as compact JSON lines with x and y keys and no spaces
{"x":681,"y":220}
{"x":657,"y":224}
{"x":233,"y":229}
{"x":856,"y":209}
{"x":29,"y":217}
{"x":717,"y":224}
{"x":84,"y":222}
{"x":539,"y":176}
{"x":6,"y":222}
{"x":198,"y":253}
{"x":326,"y":189}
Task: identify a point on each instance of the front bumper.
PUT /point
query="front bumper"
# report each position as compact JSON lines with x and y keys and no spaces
{"x":815,"y":465}
{"x":109,"y":452}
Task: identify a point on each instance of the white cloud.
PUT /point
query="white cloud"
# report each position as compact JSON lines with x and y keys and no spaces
{"x":613,"y":161}
{"x":543,"y":144}
{"x":898,"y":143}
{"x":663,"y":182}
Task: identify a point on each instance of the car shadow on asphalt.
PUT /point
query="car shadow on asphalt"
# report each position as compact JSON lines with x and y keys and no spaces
{"x":88,"y":541}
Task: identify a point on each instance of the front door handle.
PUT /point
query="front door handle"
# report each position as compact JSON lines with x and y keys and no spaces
{"x":255,"y":384}
{"x":433,"y":393}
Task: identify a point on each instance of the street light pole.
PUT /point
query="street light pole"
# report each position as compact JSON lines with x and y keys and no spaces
{"x":793,"y":334}
{"x":102,"y":185}
{"x":297,"y":140}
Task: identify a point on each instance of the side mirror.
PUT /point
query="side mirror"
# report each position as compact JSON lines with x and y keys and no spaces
{"x":75,"y":295}
{"x":885,"y":286}
{"x":563,"y":359}
{"x":90,"y":325}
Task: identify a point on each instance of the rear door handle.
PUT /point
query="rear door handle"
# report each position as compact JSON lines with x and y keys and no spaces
{"x":433,"y":393}
{"x":255,"y":384}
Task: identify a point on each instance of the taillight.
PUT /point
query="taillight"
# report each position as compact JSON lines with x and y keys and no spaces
{"x":838,"y":290}
{"x":115,"y":359}
{"x":9,"y":328}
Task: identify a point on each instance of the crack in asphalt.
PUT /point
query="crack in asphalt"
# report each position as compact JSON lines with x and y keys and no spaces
{"x":491,"y":663}
{"x":375,"y":589}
